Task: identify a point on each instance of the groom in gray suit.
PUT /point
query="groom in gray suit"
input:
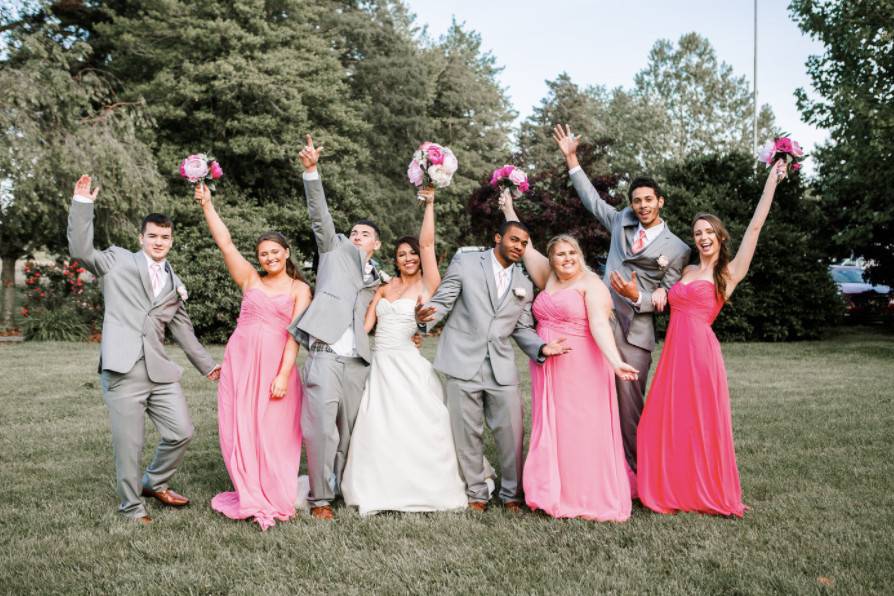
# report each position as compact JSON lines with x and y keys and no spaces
{"x":489,"y":300}
{"x":644,"y":260}
{"x":142,"y":298}
{"x":332,"y":330}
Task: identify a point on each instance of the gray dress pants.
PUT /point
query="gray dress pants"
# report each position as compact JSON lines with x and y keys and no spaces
{"x":631,"y":393}
{"x":129,"y":398}
{"x":333,"y":387}
{"x":471,"y":404}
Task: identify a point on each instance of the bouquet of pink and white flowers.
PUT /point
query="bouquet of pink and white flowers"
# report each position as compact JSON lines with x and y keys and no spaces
{"x":432,"y":165}
{"x":199,"y":167}
{"x":512,"y":178}
{"x":782,"y":148}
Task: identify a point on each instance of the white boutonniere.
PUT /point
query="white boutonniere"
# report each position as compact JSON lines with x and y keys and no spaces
{"x":384,"y":277}
{"x":520,"y":293}
{"x":662,"y":262}
{"x":183,"y":294}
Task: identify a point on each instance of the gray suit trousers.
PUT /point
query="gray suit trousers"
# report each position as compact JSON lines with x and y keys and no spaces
{"x":471,"y":403}
{"x":129,"y":397}
{"x":631,"y":393}
{"x":333,"y":388}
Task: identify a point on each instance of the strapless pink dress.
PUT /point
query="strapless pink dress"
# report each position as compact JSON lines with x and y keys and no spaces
{"x":686,"y":459}
{"x":260,"y":437}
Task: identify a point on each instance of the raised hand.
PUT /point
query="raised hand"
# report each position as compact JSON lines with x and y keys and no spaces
{"x":626,"y":372}
{"x":627,"y":288}
{"x":566,"y":141}
{"x":202,"y":194}
{"x":278,"y":387}
{"x":556,"y":347}
{"x":309,"y":156}
{"x":505,"y":201}
{"x":427,"y":194}
{"x":82,"y":188}
{"x":777,"y":172}
{"x":659,"y":299}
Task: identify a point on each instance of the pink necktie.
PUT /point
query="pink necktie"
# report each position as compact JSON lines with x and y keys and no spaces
{"x":156,"y":278}
{"x":640,"y":241}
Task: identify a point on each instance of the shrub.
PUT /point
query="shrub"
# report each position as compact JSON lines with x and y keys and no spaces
{"x":59,"y":303}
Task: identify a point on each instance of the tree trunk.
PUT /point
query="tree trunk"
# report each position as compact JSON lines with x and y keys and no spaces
{"x":8,"y":279}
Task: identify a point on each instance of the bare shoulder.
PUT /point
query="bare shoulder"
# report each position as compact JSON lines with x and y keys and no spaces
{"x":594,"y":286}
{"x":300,"y":289}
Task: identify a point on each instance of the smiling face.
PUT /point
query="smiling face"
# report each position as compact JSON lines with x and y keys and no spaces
{"x":272,"y":256}
{"x":707,"y":241}
{"x":646,"y":204}
{"x":365,"y":238}
{"x":156,"y":241}
{"x":511,"y":245}
{"x":565,"y":260}
{"x":407,"y":260}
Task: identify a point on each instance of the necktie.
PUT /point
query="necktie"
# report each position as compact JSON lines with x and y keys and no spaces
{"x":155,"y":271}
{"x":640,"y":241}
{"x":502,"y":281}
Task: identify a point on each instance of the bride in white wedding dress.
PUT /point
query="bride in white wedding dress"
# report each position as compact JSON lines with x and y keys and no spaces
{"x":401,"y":456}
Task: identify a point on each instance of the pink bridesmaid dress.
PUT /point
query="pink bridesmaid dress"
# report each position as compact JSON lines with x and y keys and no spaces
{"x":686,"y":460}
{"x":575,"y":465}
{"x":260,"y":437}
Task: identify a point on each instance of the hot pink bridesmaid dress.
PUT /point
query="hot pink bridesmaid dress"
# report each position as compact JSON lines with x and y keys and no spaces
{"x":686,"y":460}
{"x":260,"y":437}
{"x":575,"y":465}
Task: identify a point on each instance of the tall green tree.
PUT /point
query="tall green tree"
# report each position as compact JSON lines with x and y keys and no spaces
{"x":56,"y":125}
{"x":854,"y":78}
{"x":706,"y":108}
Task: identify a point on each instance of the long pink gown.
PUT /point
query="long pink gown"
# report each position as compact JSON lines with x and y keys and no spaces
{"x":575,"y":465}
{"x":260,"y":437}
{"x":686,"y":459}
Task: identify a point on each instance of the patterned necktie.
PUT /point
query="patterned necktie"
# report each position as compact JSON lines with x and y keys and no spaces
{"x":155,"y":271}
{"x":640,"y":241}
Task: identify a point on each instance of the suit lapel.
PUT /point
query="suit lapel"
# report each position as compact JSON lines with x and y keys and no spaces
{"x":488,"y":270}
{"x":143,"y":268}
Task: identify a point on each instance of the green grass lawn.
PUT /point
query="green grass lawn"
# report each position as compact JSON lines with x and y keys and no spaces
{"x":813,"y":423}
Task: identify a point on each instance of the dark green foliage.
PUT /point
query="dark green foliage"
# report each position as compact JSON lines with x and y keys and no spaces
{"x":788,"y":294}
{"x":60,"y":304}
{"x":854,"y":78}
{"x":58,"y":324}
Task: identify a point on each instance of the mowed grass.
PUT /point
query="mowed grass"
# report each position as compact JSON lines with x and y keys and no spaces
{"x":813,"y":424}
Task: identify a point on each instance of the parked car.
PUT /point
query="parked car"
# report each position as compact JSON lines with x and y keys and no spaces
{"x":863,"y":300}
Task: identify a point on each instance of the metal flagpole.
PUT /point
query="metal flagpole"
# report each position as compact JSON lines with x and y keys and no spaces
{"x":754,"y":119}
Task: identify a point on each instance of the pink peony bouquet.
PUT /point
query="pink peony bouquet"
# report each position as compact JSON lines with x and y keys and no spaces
{"x":432,"y":165}
{"x":199,"y":167}
{"x":782,"y":148}
{"x":512,"y":178}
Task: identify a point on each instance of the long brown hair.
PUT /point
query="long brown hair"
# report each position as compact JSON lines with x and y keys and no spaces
{"x":291,"y":268}
{"x":720,"y":267}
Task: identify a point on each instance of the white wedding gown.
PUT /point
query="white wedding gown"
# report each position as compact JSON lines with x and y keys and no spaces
{"x":401,"y":456}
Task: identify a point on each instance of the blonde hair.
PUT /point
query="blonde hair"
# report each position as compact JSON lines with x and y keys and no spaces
{"x":567,"y":239}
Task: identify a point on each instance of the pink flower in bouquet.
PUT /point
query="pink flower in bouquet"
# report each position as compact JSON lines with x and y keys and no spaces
{"x":194,"y":168}
{"x":784,"y":144}
{"x":766,"y":152}
{"x":216,"y":170}
{"x":797,"y":151}
{"x":518,"y":177}
{"x":435,"y":155}
{"x":415,"y":173}
{"x":795,"y":167}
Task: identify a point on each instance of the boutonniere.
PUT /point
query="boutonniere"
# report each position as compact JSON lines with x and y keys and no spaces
{"x":520,"y":293}
{"x":662,"y":261}
{"x":384,"y":277}
{"x":183,"y":294}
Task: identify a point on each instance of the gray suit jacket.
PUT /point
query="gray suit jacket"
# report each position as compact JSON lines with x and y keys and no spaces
{"x":134,"y":322}
{"x":341,"y":295}
{"x":637,"y":323}
{"x":481,"y":323}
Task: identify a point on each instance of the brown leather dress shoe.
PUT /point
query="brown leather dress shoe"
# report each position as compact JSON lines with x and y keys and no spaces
{"x":144,"y":520}
{"x":167,"y":496}
{"x":323,"y":512}
{"x":477,"y":506}
{"x":513,"y":507}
